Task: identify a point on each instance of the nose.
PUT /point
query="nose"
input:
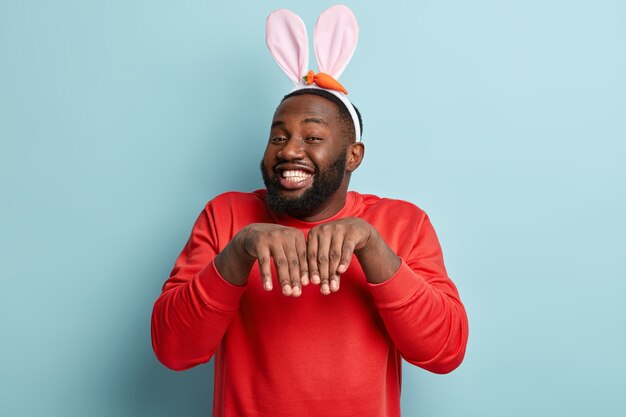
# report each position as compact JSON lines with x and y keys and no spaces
{"x":292,"y":149}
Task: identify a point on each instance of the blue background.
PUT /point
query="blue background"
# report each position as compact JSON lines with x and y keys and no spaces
{"x":504,"y":120}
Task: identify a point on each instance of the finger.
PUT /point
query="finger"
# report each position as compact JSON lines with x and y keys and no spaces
{"x":323,"y":244}
{"x":347,"y":250}
{"x":282,"y":269}
{"x":301,"y":249}
{"x":263,"y":258}
{"x":293,"y":265}
{"x":334,"y":258}
{"x":311,"y":250}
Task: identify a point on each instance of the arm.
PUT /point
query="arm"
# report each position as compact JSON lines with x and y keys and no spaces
{"x":197,"y":304}
{"x":419,"y":304}
{"x":202,"y":294}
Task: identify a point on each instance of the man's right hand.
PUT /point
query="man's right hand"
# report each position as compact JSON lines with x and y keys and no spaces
{"x":261,"y":242}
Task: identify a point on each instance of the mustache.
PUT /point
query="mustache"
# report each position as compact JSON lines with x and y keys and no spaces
{"x":308,"y":168}
{"x":292,"y":165}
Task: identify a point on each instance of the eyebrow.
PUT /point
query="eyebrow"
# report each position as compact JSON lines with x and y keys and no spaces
{"x":307,"y":120}
{"x":314,"y":120}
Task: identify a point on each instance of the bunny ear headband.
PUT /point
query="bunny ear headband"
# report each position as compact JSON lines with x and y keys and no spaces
{"x":335,"y":38}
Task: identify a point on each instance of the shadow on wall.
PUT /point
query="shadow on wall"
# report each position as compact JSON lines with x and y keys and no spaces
{"x":142,"y":386}
{"x":138,"y":384}
{"x":134,"y":381}
{"x":149,"y":388}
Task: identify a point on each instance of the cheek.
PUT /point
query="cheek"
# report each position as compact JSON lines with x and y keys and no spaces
{"x":324,"y":158}
{"x":268,"y":162}
{"x":268,"y":156}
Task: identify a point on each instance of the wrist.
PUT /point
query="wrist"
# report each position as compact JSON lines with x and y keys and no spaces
{"x":239,"y":247}
{"x":226,"y":271}
{"x":378,"y":260}
{"x":372,"y":236}
{"x":234,"y":263}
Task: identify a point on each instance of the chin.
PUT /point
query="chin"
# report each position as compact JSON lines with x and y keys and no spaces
{"x":293,"y":193}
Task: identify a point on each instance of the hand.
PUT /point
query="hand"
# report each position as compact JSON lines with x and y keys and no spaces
{"x":288,"y":248}
{"x":330,"y":247}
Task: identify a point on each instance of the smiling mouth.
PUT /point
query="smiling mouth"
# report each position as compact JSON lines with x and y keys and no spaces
{"x":295,"y":175}
{"x":293,"y":179}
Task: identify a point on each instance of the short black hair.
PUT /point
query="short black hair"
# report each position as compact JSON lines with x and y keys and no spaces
{"x":344,"y":114}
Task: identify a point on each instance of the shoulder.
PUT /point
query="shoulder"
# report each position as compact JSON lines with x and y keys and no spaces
{"x":398,"y":221}
{"x":228,"y":212}
{"x":397,"y":208}
{"x":236,"y":199}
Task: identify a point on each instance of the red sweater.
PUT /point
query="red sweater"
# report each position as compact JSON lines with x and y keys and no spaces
{"x":336,"y":355}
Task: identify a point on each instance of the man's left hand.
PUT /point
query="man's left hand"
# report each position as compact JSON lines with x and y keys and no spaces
{"x":330,"y":247}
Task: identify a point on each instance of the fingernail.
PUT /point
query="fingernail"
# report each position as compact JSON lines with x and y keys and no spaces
{"x":342,"y":268}
{"x":304,"y":279}
{"x":315,"y":279}
{"x":296,"y":291}
{"x":287,"y":290}
{"x":334,"y":285}
{"x":267,"y":285}
{"x":325,"y":289}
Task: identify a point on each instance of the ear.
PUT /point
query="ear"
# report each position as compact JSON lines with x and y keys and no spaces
{"x":356,"y":152}
{"x":285,"y":35}
{"x":335,"y":38}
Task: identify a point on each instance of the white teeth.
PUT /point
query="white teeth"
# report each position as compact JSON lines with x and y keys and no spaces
{"x":296,"y":175}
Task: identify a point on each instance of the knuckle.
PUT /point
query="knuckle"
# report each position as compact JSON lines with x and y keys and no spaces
{"x":323,"y":259}
{"x":250,"y":241}
{"x":281,"y":261}
{"x":334,"y":255}
{"x":294,"y":263}
{"x":264,"y":260}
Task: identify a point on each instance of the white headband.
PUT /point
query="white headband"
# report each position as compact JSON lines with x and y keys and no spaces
{"x":335,"y":38}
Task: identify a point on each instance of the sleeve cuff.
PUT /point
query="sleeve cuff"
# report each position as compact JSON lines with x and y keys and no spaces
{"x":217,"y":291}
{"x":398,"y":289}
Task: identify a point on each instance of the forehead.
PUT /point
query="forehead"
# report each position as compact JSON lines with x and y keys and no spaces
{"x":307,"y":105}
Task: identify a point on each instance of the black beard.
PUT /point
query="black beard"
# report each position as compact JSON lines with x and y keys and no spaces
{"x":325,"y":184}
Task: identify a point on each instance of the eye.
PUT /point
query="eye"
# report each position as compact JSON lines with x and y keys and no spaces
{"x":314,"y":139}
{"x":277,"y":139}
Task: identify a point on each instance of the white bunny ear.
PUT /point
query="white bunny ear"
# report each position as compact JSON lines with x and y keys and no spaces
{"x":336,"y":35}
{"x":285,"y":34}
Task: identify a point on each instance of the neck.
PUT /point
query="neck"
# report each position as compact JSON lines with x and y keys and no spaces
{"x":328,"y":210}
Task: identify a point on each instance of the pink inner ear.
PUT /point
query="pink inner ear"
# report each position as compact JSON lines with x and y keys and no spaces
{"x":336,"y":36}
{"x":285,"y":34}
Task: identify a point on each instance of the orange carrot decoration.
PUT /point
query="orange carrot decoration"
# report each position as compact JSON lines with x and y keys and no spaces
{"x":309,"y":77}
{"x":324,"y":80}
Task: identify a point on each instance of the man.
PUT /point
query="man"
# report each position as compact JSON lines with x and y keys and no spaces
{"x":384,"y":293}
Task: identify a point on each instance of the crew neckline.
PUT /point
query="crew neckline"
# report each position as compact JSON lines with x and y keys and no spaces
{"x":287,"y":220}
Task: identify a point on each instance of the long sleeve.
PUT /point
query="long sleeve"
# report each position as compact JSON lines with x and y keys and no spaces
{"x":196,"y":305}
{"x":421,"y":307}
